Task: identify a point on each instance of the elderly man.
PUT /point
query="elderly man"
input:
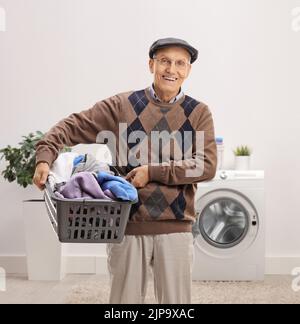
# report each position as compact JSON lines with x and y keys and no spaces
{"x":158,"y":234}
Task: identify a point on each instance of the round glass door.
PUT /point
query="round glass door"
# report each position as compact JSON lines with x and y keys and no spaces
{"x":224,"y":222}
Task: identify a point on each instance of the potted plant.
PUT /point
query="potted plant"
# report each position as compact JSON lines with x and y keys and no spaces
{"x":43,"y":252}
{"x":242,"y":157}
{"x":21,"y":160}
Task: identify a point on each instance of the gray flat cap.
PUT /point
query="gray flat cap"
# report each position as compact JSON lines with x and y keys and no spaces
{"x":167,"y":42}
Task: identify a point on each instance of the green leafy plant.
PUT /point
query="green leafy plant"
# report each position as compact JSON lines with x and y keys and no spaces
{"x":21,"y":160}
{"x":242,"y":150}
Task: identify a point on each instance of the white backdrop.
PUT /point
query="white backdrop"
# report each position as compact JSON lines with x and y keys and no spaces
{"x":61,"y":56}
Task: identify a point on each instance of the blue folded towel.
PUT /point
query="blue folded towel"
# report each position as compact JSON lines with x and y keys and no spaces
{"x":121,"y":188}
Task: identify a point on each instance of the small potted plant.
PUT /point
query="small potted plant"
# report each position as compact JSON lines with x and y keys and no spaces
{"x":242,"y":157}
{"x":21,"y":160}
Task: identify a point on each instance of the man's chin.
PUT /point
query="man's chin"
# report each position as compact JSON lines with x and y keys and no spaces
{"x":169,"y":87}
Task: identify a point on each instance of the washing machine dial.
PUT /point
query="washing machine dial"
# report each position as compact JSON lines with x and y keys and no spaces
{"x":223,"y":175}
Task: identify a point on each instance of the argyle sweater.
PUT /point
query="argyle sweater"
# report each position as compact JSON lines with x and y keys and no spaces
{"x":166,"y":203}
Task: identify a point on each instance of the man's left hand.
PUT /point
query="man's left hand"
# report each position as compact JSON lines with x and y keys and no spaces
{"x":139,"y":176}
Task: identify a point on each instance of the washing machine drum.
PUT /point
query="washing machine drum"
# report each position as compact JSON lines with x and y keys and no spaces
{"x":224,"y":219}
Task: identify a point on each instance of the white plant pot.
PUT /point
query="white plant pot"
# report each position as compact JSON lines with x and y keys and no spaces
{"x":242,"y":162}
{"x":45,"y":257}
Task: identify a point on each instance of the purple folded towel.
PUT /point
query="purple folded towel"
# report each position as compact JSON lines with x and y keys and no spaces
{"x":84,"y":185}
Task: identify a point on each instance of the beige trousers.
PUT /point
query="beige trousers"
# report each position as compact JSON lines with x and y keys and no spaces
{"x":169,"y":256}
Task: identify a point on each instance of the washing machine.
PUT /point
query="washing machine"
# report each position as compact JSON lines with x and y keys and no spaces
{"x":229,"y":234}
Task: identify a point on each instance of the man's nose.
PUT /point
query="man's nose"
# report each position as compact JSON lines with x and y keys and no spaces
{"x":171,"y":67}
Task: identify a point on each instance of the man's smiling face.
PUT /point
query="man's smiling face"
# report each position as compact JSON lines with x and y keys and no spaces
{"x":170,"y":66}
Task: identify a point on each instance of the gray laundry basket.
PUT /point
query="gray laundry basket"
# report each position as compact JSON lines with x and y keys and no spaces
{"x":87,"y":220}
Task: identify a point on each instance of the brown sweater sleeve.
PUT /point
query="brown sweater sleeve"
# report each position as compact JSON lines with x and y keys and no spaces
{"x":202,"y":165}
{"x":79,"y":128}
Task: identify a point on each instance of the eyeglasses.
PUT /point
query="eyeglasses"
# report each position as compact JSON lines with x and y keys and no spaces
{"x":165,"y":62}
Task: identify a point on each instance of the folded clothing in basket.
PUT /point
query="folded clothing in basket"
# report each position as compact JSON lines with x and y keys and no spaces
{"x":119,"y":187}
{"x":82,"y":176}
{"x":83,"y":185}
{"x":103,"y":185}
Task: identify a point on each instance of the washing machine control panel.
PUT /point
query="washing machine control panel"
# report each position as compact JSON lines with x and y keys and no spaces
{"x":239,"y":174}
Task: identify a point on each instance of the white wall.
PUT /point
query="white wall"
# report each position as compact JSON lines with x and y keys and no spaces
{"x":61,"y":56}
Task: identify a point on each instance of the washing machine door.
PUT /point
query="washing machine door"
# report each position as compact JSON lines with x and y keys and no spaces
{"x":226,"y":221}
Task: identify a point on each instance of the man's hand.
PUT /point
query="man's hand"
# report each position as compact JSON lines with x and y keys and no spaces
{"x":41,"y":175}
{"x":139,"y":177}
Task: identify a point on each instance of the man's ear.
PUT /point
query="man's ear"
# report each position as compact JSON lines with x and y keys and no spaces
{"x":151,"y":65}
{"x":188,"y":71}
